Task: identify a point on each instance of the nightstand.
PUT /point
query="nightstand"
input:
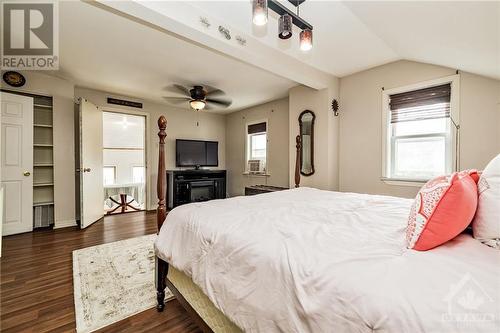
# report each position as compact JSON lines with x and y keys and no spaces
{"x":258,"y":189}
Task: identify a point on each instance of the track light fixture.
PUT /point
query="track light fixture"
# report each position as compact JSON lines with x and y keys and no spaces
{"x":306,"y":39}
{"x":285,"y":26}
{"x":259,"y":10}
{"x":286,"y":21}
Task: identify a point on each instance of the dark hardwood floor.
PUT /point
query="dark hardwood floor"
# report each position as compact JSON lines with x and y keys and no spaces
{"x":36,"y":279}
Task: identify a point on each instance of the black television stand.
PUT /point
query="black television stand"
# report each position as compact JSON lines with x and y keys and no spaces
{"x":186,"y":186}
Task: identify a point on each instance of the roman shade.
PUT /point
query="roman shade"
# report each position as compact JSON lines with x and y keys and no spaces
{"x":422,"y":104}
{"x":257,"y":128}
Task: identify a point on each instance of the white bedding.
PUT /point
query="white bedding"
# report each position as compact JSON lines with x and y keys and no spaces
{"x":307,"y":260}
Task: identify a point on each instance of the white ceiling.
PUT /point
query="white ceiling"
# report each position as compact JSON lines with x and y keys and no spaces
{"x":456,"y":34}
{"x":104,"y":51}
{"x":350,"y":36}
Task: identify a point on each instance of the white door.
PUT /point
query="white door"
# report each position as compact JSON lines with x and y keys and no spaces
{"x":91,"y":165}
{"x":16,"y":162}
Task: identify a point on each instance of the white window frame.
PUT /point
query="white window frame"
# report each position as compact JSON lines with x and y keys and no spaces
{"x":138,"y":166}
{"x":388,"y":139}
{"x":248,"y":148}
{"x":114,"y":173}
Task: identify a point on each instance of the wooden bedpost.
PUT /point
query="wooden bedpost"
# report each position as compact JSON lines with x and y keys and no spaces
{"x":161,"y":189}
{"x":297,"y":161}
{"x":161,"y":214}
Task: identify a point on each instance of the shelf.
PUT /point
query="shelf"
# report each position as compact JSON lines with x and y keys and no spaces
{"x":43,"y":106}
{"x":43,"y":163}
{"x":43,"y":194}
{"x":42,"y":125}
{"x":48,"y":203}
{"x":42,"y":184}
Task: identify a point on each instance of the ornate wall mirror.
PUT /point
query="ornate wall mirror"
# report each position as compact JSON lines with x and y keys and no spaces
{"x":306,"y":123}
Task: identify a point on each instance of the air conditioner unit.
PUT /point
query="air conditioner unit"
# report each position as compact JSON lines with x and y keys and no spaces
{"x":254,"y":166}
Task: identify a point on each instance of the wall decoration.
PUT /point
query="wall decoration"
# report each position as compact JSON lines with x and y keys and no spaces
{"x":242,"y":41}
{"x":123,"y":102}
{"x":14,"y":79}
{"x":204,"y":21}
{"x":335,"y":107}
{"x":225,"y":32}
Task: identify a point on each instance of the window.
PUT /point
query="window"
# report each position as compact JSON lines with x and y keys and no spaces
{"x":257,"y":147}
{"x":419,"y":132}
{"x":109,"y":175}
{"x":138,"y":174}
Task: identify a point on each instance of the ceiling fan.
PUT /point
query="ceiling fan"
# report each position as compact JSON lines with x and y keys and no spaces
{"x":200,"y":97}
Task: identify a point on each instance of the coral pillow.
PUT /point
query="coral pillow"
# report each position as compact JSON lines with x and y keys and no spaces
{"x":486,"y":225}
{"x":443,"y":208}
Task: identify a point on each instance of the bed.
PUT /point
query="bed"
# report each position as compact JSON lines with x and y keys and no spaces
{"x":307,"y":260}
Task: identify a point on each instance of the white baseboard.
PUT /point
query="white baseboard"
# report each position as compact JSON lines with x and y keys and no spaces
{"x":65,"y":224}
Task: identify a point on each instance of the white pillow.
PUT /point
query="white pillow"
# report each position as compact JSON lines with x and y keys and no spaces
{"x":486,"y":225}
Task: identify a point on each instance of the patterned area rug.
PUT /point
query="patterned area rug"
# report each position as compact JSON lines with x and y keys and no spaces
{"x":114,"y":281}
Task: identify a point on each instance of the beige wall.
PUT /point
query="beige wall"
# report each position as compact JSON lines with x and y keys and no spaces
{"x":326,"y":139}
{"x":276,"y":113}
{"x":361,"y":122}
{"x":62,"y":92}
{"x":182,"y":124}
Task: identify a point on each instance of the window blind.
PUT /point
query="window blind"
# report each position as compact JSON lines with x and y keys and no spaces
{"x":256,"y":128}
{"x":422,"y":104}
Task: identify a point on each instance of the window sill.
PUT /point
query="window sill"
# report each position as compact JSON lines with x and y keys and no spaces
{"x":404,"y":182}
{"x":260,"y":174}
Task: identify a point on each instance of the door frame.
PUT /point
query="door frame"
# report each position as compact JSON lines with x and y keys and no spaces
{"x":147,"y":155}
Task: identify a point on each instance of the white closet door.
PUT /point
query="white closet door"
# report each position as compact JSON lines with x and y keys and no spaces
{"x":16,"y":162}
{"x":91,"y":164}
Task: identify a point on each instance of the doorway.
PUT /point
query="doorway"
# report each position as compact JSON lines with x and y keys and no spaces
{"x":124,"y":162}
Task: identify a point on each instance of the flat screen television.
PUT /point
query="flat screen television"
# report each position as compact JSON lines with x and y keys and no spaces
{"x":196,"y":153}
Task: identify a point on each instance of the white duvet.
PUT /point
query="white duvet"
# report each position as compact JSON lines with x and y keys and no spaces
{"x":307,"y":260}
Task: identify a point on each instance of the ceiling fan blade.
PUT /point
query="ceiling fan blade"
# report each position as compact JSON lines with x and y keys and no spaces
{"x":176,"y":100}
{"x":215,"y":93}
{"x":219,"y":102}
{"x":183,"y":90}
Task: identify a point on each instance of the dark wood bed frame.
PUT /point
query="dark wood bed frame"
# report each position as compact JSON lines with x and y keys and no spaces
{"x":161,"y":213}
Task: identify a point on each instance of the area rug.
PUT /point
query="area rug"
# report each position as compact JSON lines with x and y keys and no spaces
{"x":114,"y":281}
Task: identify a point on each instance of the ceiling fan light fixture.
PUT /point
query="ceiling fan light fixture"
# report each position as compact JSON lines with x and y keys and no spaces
{"x":197,"y":104}
{"x":259,"y":11}
{"x":306,"y":39}
{"x":285,"y":26}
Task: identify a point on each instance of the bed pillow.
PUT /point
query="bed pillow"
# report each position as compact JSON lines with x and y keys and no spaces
{"x":475,"y":175}
{"x":443,"y":208}
{"x":486,"y":224}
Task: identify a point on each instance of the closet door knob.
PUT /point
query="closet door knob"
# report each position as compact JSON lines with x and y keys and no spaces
{"x":86,"y":169}
{"x":26,"y":173}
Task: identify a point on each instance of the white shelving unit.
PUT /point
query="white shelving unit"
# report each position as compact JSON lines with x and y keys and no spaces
{"x":43,"y":163}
